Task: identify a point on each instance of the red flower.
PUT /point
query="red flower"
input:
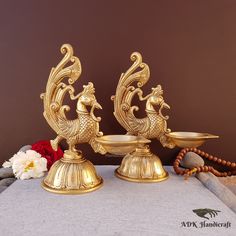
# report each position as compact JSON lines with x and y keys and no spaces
{"x":45,"y":149}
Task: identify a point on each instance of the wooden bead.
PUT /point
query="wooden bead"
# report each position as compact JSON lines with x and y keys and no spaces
{"x":176,"y":165}
{"x":183,"y":155}
{"x":179,"y":157}
{"x":186,"y":171}
{"x":180,"y":154}
{"x":176,"y":168}
{"x":228,"y":163}
{"x":210,"y":157}
{"x":223,"y":162}
{"x":184,"y":152}
{"x":198,"y":152}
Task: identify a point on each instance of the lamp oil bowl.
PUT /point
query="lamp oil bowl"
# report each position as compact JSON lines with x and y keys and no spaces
{"x":121,"y":144}
{"x":190,"y":139}
{"x":73,"y":174}
{"x":141,"y":165}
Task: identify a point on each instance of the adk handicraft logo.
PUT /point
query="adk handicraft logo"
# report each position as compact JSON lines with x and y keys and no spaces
{"x":205,"y":213}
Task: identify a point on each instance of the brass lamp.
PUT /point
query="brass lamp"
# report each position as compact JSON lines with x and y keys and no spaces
{"x":139,"y":164}
{"x":73,"y":174}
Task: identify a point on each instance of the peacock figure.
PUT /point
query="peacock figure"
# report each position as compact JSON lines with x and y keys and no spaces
{"x":83,"y":129}
{"x":154,"y":125}
{"x":72,"y":174}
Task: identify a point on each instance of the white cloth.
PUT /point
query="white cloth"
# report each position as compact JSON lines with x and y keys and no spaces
{"x":118,"y":208}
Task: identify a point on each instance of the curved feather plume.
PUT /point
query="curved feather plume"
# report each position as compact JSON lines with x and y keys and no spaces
{"x":125,"y":91}
{"x":56,"y":89}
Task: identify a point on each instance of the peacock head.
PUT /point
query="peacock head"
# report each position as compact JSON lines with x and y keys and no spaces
{"x":156,"y":98}
{"x":87,"y":97}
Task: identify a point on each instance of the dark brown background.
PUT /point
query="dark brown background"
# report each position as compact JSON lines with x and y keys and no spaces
{"x":190,"y":47}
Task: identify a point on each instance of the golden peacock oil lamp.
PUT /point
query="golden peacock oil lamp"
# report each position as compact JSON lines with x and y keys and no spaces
{"x":139,"y":164}
{"x":72,"y":174}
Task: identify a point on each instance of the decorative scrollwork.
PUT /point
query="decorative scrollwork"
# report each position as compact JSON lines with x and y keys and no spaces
{"x":85,"y":128}
{"x":154,"y":125}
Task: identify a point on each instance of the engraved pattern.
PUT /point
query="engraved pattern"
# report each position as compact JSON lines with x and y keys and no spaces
{"x":142,"y":166}
{"x":72,"y":176}
{"x":154,"y":125}
{"x":85,"y":128}
{"x":85,"y":133}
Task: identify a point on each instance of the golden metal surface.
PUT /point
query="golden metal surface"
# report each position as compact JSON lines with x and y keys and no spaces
{"x":72,"y":177}
{"x":141,"y":165}
{"x":73,"y":174}
{"x":154,"y":125}
{"x":72,"y":191}
{"x":190,"y":139}
{"x":121,"y":144}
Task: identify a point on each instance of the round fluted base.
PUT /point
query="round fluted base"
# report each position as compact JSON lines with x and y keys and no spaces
{"x":141,"y":180}
{"x":71,"y":191}
{"x":72,"y":176}
{"x":141,"y":166}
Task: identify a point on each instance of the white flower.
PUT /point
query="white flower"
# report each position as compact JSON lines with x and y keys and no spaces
{"x":8,"y":164}
{"x":28,"y":165}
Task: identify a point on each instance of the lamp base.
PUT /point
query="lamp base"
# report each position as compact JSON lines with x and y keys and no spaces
{"x":141,"y":166}
{"x":72,"y":175}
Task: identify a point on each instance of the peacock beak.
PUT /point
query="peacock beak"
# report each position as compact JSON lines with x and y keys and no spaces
{"x":97,"y":105}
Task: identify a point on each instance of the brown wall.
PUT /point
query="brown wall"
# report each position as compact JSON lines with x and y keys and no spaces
{"x":190,"y":47}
